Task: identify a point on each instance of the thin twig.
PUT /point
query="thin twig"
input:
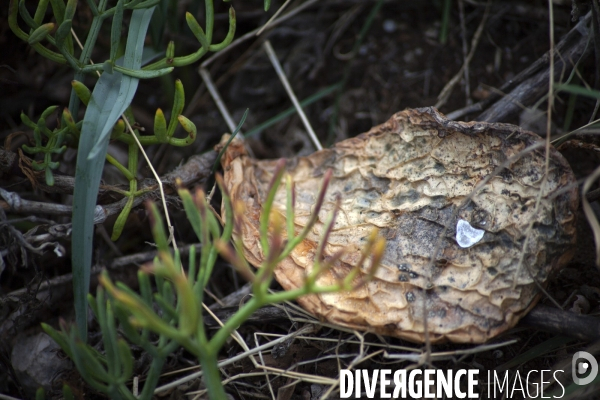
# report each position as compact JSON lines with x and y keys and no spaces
{"x":262,"y":360}
{"x":589,"y":212}
{"x":252,"y":34}
{"x":200,"y":393}
{"x":16,"y":204}
{"x":447,"y":90}
{"x":538,"y":199}
{"x":530,"y":89}
{"x":463,"y":29}
{"x":560,"y":140}
{"x":229,"y":361}
{"x":573,"y":44}
{"x":290,"y":92}
{"x":160,"y":184}
{"x":196,"y":169}
{"x":217,"y":99}
{"x":449,"y":355}
{"x":273,"y":18}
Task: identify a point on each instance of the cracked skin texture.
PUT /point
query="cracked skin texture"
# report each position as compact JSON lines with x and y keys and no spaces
{"x":409,"y":177}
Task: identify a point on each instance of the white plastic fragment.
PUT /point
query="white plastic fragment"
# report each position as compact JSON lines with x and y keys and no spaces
{"x":466,"y":235}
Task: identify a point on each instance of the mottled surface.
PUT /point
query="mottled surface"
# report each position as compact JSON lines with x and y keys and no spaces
{"x":409,"y":177}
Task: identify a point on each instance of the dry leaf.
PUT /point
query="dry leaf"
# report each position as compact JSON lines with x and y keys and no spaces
{"x":410,"y":178}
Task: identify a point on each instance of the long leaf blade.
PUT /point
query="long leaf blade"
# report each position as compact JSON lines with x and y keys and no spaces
{"x":111,"y":96}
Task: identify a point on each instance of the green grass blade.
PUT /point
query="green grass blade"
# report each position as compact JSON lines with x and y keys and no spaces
{"x":292,"y":110}
{"x":580,"y":90}
{"x":235,"y":131}
{"x":128,"y":84}
{"x":112,"y":95}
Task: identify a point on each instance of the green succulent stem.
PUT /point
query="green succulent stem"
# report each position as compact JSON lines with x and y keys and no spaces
{"x":233,"y":323}
{"x":212,"y":376}
{"x":180,"y":297}
{"x":120,"y":167}
{"x":124,"y":316}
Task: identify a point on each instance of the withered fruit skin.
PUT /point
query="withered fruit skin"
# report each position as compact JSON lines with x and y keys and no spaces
{"x":407,"y":177}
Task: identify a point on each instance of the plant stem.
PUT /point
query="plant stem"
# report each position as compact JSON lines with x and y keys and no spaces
{"x":86,"y":52}
{"x":218,"y":340}
{"x":152,"y":377}
{"x":212,"y":375}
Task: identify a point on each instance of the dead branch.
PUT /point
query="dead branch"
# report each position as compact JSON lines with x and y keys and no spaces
{"x":195,"y":171}
{"x":583,"y":327}
{"x":530,"y":85}
{"x":565,"y":323}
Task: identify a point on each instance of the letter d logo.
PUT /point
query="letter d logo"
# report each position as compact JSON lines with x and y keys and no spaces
{"x":579,"y":367}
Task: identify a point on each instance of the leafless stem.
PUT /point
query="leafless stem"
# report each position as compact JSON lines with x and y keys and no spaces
{"x":447,"y":90}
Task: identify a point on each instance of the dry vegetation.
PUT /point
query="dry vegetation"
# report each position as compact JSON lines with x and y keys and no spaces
{"x":362,"y":70}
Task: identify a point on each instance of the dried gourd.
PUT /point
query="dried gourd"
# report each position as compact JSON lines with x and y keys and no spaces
{"x":425,"y":182}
